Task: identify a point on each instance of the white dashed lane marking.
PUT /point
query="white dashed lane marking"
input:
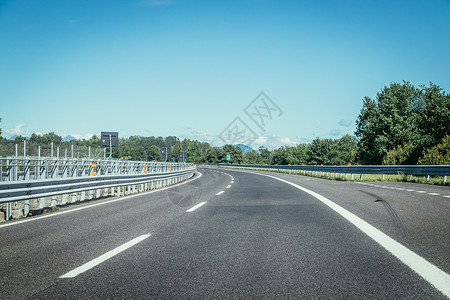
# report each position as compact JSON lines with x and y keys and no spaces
{"x":403,"y":189}
{"x":195,"y":207}
{"x":89,"y":265}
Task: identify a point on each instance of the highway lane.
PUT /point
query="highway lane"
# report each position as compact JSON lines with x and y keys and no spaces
{"x":416,"y":215}
{"x":259,"y":238}
{"x":34,"y":254}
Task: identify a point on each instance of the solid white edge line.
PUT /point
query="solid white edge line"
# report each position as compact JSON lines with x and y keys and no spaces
{"x":94,"y":204}
{"x":438,"y":278}
{"x":196,"y":206}
{"x":220,"y":193}
{"x":89,"y":265}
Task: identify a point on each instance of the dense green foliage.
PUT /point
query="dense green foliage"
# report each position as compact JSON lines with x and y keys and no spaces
{"x":439,"y":154}
{"x":404,"y":124}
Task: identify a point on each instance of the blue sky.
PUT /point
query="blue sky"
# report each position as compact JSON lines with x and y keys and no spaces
{"x":189,"y":68}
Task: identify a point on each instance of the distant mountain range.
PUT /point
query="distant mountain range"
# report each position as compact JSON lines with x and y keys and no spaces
{"x":243,"y":147}
{"x":69,"y":138}
{"x":12,"y":138}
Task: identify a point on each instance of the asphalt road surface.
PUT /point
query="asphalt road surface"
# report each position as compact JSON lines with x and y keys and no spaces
{"x":230,"y":234}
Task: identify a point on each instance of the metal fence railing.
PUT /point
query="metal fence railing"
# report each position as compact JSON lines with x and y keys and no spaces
{"x":55,"y":150}
{"x":47,"y":182}
{"x":26,"y":168}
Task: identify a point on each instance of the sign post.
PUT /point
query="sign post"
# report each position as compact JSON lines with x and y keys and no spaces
{"x":166,"y":152}
{"x":183,"y":156}
{"x":111,"y":140}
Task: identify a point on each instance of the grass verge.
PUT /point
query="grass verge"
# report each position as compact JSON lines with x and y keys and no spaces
{"x":436,"y":180}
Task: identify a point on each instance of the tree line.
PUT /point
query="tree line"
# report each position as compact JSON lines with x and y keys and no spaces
{"x":404,"y":124}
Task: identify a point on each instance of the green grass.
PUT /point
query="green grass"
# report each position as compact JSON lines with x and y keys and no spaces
{"x":436,"y":180}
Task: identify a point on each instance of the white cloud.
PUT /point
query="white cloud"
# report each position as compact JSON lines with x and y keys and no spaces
{"x":199,"y":135}
{"x":345,"y":123}
{"x":18,"y":130}
{"x":260,"y":140}
{"x":274,"y":142}
{"x":81,"y":136}
{"x":287,"y":141}
{"x":335,"y":132}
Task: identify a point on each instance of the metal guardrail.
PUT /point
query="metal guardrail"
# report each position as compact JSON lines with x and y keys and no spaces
{"x":49,"y":180}
{"x":419,"y":170}
{"x":26,"y":190}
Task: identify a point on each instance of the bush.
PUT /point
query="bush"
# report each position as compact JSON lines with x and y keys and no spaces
{"x":438,"y":155}
{"x":402,"y":155}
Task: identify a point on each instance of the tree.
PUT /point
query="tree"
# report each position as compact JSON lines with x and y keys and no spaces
{"x":48,"y":138}
{"x":234,"y":152}
{"x":171,"y":141}
{"x":215,"y":155}
{"x":297,"y":155}
{"x":279,"y":156}
{"x":402,"y":115}
{"x":266,"y":155}
{"x":438,"y":155}
{"x":433,"y":118}
{"x":154,"y":153}
{"x":401,"y":155}
{"x":343,"y":151}
{"x":318,"y":152}
{"x":252,"y":158}
{"x":196,"y":150}
{"x":385,"y":123}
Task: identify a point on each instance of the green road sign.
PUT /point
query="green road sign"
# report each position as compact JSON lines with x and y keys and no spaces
{"x":228,"y":157}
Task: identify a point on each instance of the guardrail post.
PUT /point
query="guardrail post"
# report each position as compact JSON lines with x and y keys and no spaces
{"x":428,"y":178}
{"x":445,"y":178}
{"x":26,"y":207}
{"x":53,"y":201}
{"x":8,"y":211}
{"x":360,"y":177}
{"x":41,"y":202}
{"x":64,"y":199}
